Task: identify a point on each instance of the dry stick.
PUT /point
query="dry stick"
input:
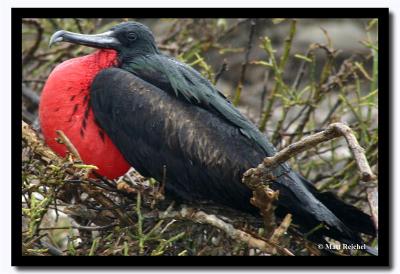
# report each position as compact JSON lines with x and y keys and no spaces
{"x":332,"y":131}
{"x":236,"y":234}
{"x":71,"y":148}
{"x":80,"y":227}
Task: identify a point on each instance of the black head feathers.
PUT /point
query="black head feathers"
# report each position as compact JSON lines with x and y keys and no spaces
{"x":134,"y":38}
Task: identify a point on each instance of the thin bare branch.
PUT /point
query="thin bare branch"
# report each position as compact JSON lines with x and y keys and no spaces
{"x":71,"y":148}
{"x":236,"y":234}
{"x":80,"y":227}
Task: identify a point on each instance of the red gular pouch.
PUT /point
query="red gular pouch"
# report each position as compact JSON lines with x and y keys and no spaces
{"x":65,"y":105}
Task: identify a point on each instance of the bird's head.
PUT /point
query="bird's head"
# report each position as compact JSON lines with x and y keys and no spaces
{"x":128,"y":39}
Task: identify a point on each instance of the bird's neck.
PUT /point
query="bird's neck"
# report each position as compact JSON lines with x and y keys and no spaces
{"x":128,"y":56}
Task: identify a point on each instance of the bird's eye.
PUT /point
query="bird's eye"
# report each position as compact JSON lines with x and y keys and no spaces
{"x":131,"y":36}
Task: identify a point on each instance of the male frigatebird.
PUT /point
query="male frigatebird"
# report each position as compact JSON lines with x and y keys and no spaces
{"x":129,"y":105}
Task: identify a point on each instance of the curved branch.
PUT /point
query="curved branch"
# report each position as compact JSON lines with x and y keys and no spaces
{"x":331,"y":132}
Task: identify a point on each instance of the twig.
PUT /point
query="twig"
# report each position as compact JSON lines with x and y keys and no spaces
{"x":71,"y":148}
{"x":294,"y":120}
{"x":80,"y":227}
{"x":281,"y":230}
{"x":223,"y":68}
{"x":300,"y":72}
{"x":341,"y":77}
{"x":78,"y":25}
{"x":331,"y":112}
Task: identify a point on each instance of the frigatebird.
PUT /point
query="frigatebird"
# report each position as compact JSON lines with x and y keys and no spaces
{"x":127,"y":104}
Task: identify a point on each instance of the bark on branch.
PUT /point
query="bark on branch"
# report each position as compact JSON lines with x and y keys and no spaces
{"x":236,"y":234}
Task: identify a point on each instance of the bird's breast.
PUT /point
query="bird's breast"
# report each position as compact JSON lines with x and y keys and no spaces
{"x":65,"y":105}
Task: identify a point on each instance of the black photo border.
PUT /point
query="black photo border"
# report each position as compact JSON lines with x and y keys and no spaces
{"x":384,"y":98}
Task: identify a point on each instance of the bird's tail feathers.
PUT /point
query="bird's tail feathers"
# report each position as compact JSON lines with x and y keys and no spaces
{"x":351,"y":216}
{"x":310,"y":208}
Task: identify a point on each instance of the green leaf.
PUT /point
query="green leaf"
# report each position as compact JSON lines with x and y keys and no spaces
{"x":303,"y":57}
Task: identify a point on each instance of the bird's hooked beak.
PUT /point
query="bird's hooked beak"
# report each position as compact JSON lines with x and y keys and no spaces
{"x":104,"y":40}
